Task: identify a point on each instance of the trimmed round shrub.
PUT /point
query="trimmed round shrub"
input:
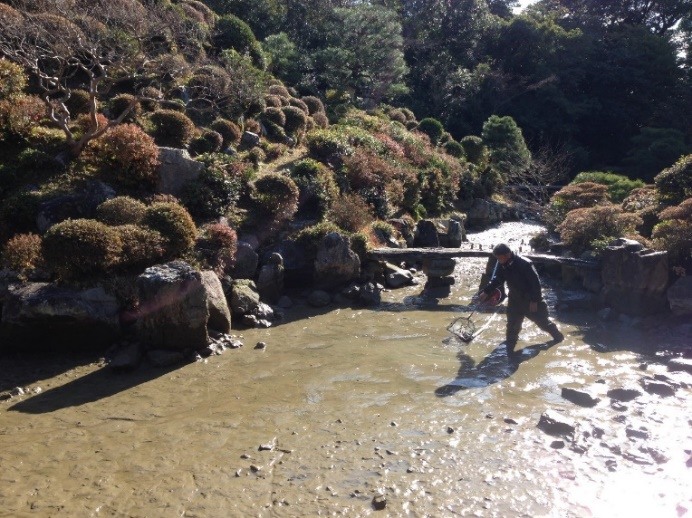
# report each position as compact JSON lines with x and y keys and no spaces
{"x":12,"y":79}
{"x":256,"y":155}
{"x":279,"y":90}
{"x":229,"y":131}
{"x":79,"y":102}
{"x":22,"y":253}
{"x":674,"y":233}
{"x":574,"y":196}
{"x":211,"y":194}
{"x":619,"y":186}
{"x":397,"y":115}
{"x":293,"y":101}
{"x":217,"y":244}
{"x":255,"y":108}
{"x":141,"y":247}
{"x":78,"y":248}
{"x":174,"y":223}
{"x":432,"y":128}
{"x":122,"y":102}
{"x":314,"y":104}
{"x":410,"y":116}
{"x":209,"y":141}
{"x":593,"y":227}
{"x":276,"y":196}
{"x":675,"y":183}
{"x":252,"y":125}
{"x":20,"y":114}
{"x":295,"y":120}
{"x":275,"y":115}
{"x":121,"y":210}
{"x":172,"y":128}
{"x":18,"y":212}
{"x":643,"y":201}
{"x":272,"y":101}
{"x":321,"y":120}
{"x":454,"y":149}
{"x":131,"y":153}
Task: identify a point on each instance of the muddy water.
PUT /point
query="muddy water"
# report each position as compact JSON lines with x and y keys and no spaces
{"x":352,"y":404}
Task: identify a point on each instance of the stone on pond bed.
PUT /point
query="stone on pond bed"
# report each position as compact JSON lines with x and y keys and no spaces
{"x":554,"y":423}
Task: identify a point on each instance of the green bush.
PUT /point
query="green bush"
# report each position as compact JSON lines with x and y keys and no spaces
{"x":328,"y":143}
{"x":233,"y":33}
{"x":309,"y":238}
{"x":209,"y":141}
{"x":18,"y":212}
{"x":79,"y":102}
{"x":121,"y":210}
{"x":397,"y":115}
{"x":583,"y":228}
{"x":12,"y":79}
{"x":131,"y":154}
{"x":675,"y":183}
{"x":383,"y":231}
{"x":211,"y":194}
{"x":276,"y":197}
{"x":410,"y":116}
{"x":174,"y":223}
{"x":454,"y":149}
{"x":619,"y":186}
{"x":274,"y":151}
{"x":141,"y":247}
{"x":172,"y":128}
{"x":295,"y":120}
{"x":314,"y":104}
{"x":22,"y":253}
{"x":230,"y":131}
{"x":476,"y":152}
{"x":252,"y":125}
{"x":432,"y":128}
{"x":78,"y":248}
{"x":317,"y":186}
{"x":256,"y":155}
{"x":122,"y":102}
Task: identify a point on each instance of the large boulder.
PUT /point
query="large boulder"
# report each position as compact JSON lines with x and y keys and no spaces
{"x":177,"y":167}
{"x":219,"y":314}
{"x":680,"y":296}
{"x":396,"y":277}
{"x":45,"y":314}
{"x":484,"y":213}
{"x":455,"y":233}
{"x":244,"y":297}
{"x":634,"y":278}
{"x":246,"y":261}
{"x":81,"y":203}
{"x":426,"y":234}
{"x":173,"y":311}
{"x":336,"y":264}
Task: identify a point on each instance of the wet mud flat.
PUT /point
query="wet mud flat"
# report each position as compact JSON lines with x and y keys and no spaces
{"x":349,"y":410}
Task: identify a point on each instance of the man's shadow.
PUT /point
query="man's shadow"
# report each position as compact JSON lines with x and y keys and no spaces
{"x":496,"y":366}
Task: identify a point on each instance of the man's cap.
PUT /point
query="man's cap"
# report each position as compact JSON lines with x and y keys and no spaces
{"x":501,"y":249}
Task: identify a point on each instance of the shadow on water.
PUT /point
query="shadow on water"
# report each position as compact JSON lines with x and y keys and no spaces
{"x":496,"y":366}
{"x":92,"y":387}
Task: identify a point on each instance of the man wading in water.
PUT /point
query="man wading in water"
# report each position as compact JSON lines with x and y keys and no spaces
{"x":525,"y":298}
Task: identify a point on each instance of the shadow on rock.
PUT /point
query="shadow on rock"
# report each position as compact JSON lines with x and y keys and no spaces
{"x":93,"y":387}
{"x":496,"y":366}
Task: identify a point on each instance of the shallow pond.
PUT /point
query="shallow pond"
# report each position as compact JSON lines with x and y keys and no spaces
{"x":346,"y":405}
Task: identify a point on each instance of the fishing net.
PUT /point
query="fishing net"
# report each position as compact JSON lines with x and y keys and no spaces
{"x":463,"y":328}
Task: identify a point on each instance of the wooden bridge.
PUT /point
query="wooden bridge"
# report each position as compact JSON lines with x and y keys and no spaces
{"x":419,"y":255}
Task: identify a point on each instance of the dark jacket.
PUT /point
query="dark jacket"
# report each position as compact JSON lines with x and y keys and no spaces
{"x":521,"y":278}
